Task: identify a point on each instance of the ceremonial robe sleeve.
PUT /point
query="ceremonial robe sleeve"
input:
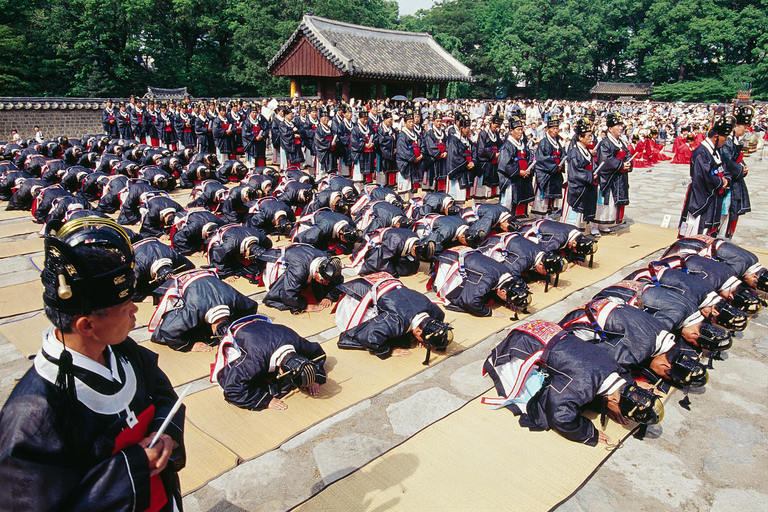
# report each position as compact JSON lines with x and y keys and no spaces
{"x":455,"y":161}
{"x":285,"y":293}
{"x":564,"y":416}
{"x":245,"y":384}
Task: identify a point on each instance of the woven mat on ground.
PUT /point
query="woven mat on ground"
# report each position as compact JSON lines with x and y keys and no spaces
{"x":354,"y":376}
{"x":13,"y":214}
{"x":20,"y":227}
{"x":474,"y":459}
{"x":21,"y":298}
{"x":18,"y":247}
{"x":205,"y":457}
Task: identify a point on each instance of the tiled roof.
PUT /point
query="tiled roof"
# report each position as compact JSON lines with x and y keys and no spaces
{"x":620,"y":88}
{"x":367,"y":52}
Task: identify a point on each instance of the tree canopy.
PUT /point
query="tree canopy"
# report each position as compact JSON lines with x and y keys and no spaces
{"x":692,"y":50}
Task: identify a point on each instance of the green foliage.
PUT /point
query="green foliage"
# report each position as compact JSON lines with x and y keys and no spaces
{"x":691,"y":49}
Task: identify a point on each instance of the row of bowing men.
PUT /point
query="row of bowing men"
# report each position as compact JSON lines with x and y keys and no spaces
{"x":702,"y":289}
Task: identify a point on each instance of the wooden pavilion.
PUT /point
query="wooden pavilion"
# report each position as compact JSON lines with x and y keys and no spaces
{"x":621,"y":91}
{"x":364,"y":62}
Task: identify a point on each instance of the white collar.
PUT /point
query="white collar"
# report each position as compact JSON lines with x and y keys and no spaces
{"x":583,"y":150}
{"x":105,"y":404}
{"x":613,"y":140}
{"x":409,"y":133}
{"x":517,"y":143}
{"x":553,"y":141}
{"x":53,"y":347}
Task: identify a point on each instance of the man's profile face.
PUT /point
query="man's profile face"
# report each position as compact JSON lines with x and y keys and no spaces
{"x":115,"y":326}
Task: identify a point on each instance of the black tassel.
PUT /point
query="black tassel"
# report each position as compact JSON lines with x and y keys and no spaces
{"x":65,"y":380}
{"x":640,"y":434}
{"x":429,"y":353}
{"x":604,"y":413}
{"x":685,"y":403}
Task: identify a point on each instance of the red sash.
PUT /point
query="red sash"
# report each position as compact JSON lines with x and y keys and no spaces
{"x":468,"y":156}
{"x":495,"y":150}
{"x":225,"y":126}
{"x":740,"y":157}
{"x":522,"y":162}
{"x":131,"y":436}
{"x":621,"y":154}
{"x":368,"y":141}
{"x":416,"y":149}
{"x":440,"y":146}
{"x":556,"y":156}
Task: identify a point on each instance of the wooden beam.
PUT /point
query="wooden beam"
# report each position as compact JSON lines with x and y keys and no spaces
{"x":345,"y":90}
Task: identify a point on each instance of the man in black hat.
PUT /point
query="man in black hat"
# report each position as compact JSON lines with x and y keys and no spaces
{"x":521,"y":255}
{"x":300,"y":277}
{"x":151,"y":137}
{"x":550,"y":165}
{"x":409,"y":157}
{"x":733,"y":158}
{"x":272,"y":216}
{"x":710,"y":182}
{"x":308,"y":137}
{"x":139,"y":121}
{"x":488,"y":144}
{"x":109,"y":121}
{"x":555,"y":236}
{"x":581,"y":193}
{"x":233,"y":251}
{"x":324,"y":146}
{"x":291,"y":151}
{"x":327,"y":230}
{"x":204,"y":131}
{"x":580,"y":373}
{"x":386,"y":144}
{"x":362,"y":145}
{"x":255,"y":132}
{"x":195,"y":304}
{"x":468,"y":281}
{"x":259,"y":362}
{"x":613,"y":165}
{"x":223,"y":135}
{"x":460,"y":161}
{"x":191,"y":230}
{"x":342,"y":130}
{"x":489,"y":218}
{"x":434,"y":157}
{"x":516,"y":179}
{"x":185,"y":127}
{"x":397,"y":251}
{"x":380,"y":315}
{"x":165,"y":125}
{"x":123,"y":121}
{"x":78,"y":428}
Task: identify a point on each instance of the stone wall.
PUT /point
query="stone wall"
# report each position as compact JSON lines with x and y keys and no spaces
{"x":72,"y":117}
